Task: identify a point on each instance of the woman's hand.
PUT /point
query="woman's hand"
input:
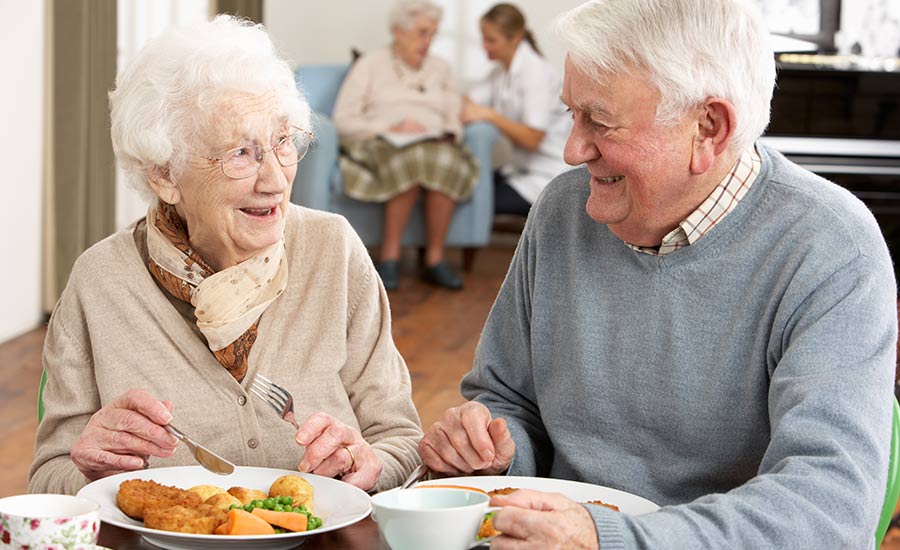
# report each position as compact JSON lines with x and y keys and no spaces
{"x":335,"y":449}
{"x":122,"y":435}
{"x":408,"y":126}
{"x":466,"y":440}
{"x":473,"y":112}
{"x":532,"y":519}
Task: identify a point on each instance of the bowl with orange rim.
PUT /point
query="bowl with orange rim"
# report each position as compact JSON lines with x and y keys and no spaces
{"x":447,"y":486}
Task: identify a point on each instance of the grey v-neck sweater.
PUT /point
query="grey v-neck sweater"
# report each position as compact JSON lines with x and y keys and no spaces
{"x":744,"y":383}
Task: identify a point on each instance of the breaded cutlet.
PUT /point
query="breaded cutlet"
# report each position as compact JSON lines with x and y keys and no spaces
{"x":135,"y":496}
{"x":201,"y":520}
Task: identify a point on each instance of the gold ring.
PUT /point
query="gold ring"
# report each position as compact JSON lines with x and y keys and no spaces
{"x":352,"y":458}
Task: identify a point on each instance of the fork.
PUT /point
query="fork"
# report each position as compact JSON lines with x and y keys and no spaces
{"x":417,"y":474}
{"x":275,"y":396}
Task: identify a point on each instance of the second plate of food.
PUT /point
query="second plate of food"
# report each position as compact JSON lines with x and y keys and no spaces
{"x":627,"y":503}
{"x":338,"y":504}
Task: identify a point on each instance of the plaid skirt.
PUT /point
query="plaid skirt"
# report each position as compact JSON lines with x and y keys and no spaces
{"x":376,"y":171}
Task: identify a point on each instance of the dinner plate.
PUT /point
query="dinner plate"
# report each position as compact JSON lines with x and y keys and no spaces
{"x":339,"y":504}
{"x":578,"y":491}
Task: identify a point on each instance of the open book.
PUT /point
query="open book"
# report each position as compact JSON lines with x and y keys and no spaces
{"x":402,"y":140}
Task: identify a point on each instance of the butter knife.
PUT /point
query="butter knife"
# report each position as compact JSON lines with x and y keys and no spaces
{"x":208,"y":459}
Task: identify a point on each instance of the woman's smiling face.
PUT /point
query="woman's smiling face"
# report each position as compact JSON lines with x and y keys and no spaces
{"x":230,"y":220}
{"x":640,"y":169}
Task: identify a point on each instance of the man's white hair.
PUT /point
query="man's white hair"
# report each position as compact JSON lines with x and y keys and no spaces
{"x":404,"y":12}
{"x":691,"y":49}
{"x":164,"y":97}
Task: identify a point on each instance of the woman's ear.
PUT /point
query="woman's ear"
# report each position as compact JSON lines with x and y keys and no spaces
{"x":162,"y":184}
{"x":715,"y":126}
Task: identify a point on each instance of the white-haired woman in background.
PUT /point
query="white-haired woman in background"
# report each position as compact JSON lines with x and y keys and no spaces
{"x":397,"y":116}
{"x":224,"y":279}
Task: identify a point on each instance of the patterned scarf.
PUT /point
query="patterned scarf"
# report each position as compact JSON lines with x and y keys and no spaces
{"x":227,"y":303}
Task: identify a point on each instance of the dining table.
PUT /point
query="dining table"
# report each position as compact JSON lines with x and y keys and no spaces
{"x":362,"y":535}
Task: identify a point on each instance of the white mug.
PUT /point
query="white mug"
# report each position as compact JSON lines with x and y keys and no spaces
{"x":49,"y":521}
{"x":432,"y":518}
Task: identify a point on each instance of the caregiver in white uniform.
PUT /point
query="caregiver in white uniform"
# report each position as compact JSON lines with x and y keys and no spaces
{"x":521,"y":98}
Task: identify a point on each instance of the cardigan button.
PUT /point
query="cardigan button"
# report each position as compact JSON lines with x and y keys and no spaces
{"x":242,"y":401}
{"x":252,"y":443}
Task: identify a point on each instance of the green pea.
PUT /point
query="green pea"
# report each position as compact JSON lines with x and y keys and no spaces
{"x":296,"y":510}
{"x":257,"y":504}
{"x":247,"y":507}
{"x":269,"y":503}
{"x":302,"y":508}
{"x":278,"y":508}
{"x":286,"y":500}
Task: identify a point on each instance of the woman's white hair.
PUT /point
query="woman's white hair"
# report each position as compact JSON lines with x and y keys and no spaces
{"x":691,"y":49}
{"x":404,"y":12}
{"x":164,"y":97}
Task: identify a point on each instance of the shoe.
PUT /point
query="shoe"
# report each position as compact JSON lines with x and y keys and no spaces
{"x":389,"y":273}
{"x":442,"y":274}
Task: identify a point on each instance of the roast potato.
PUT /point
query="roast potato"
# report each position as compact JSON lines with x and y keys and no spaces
{"x":223,"y":500}
{"x":206,"y":491}
{"x":246,"y":496}
{"x":293,"y":486}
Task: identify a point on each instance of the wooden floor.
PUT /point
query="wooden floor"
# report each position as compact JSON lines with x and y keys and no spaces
{"x":435,"y":330}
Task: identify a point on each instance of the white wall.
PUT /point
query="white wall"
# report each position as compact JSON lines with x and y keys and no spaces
{"x":21,"y":183}
{"x":324,"y":32}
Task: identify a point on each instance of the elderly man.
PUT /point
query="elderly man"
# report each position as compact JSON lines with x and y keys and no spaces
{"x":688,"y":316}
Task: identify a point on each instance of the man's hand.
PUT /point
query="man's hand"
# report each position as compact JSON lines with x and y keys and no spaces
{"x":466,"y":440}
{"x":120,"y":436}
{"x":532,"y":519}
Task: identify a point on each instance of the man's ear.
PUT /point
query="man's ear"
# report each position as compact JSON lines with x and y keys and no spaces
{"x":716,"y":122}
{"x":162,"y":184}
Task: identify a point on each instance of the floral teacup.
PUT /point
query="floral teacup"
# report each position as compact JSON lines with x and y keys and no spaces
{"x":48,"y":522}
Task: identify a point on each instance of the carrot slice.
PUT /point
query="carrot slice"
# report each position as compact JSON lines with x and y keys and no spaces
{"x":242,"y":522}
{"x":292,"y":521}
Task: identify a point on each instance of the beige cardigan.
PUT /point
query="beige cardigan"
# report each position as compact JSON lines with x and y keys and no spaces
{"x":380,"y":91}
{"x":327,"y":339}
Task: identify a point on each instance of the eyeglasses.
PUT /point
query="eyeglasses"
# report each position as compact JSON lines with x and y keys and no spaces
{"x":244,"y":162}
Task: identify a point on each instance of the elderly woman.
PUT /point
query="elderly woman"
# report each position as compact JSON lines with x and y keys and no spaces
{"x":397,"y":115}
{"x":521,"y":98}
{"x":172,"y":318}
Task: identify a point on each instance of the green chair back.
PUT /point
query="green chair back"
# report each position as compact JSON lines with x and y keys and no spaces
{"x":41,"y":396}
{"x":893,"y":481}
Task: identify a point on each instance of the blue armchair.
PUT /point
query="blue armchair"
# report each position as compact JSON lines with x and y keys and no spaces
{"x":319,"y":184}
